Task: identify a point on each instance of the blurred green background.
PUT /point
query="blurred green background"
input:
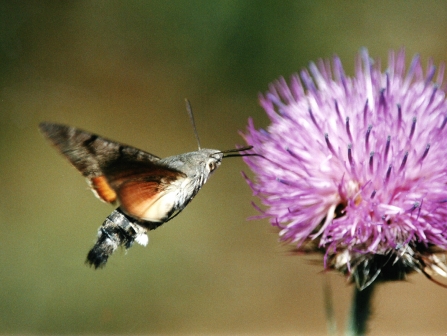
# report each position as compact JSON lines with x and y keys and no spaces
{"x":122,"y":69}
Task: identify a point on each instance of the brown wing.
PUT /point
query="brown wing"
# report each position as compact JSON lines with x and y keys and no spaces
{"x":137,"y":196}
{"x":139,"y":185}
{"x":114,"y":171}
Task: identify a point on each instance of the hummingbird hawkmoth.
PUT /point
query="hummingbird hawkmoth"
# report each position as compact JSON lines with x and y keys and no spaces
{"x":150,"y":190}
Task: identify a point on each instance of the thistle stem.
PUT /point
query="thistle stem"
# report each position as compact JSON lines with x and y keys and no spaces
{"x":360,"y":311}
{"x":329,"y":307}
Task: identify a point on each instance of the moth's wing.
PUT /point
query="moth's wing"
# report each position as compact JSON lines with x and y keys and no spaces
{"x":90,"y":154}
{"x":145,"y":190}
{"x":118,"y":172}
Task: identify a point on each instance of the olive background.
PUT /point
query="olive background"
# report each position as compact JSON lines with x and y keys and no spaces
{"x":122,"y":69}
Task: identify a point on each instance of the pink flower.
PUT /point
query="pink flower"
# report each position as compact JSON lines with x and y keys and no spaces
{"x":356,"y":167}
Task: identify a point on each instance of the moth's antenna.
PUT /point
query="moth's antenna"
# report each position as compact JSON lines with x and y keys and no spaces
{"x":191,"y":117}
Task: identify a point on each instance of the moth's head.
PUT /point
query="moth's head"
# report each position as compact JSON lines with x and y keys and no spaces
{"x":203,"y":162}
{"x":212,"y":160}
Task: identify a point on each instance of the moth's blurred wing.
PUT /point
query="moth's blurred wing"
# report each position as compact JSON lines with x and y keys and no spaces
{"x":145,"y":188}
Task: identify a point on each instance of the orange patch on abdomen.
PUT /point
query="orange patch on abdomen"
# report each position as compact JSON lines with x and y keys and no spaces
{"x":102,"y":189}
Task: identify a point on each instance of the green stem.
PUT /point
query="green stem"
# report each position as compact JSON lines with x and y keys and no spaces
{"x":329,"y":307}
{"x":360,"y":311}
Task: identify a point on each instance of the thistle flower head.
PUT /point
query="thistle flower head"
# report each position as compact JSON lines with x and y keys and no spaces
{"x":356,"y":167}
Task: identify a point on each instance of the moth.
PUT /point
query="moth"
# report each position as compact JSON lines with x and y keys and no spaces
{"x":149,"y":190}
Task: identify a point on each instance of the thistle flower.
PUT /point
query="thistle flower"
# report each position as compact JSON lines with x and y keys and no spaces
{"x":356,"y":167}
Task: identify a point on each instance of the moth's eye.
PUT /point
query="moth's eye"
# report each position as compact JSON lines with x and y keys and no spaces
{"x":211,"y":166}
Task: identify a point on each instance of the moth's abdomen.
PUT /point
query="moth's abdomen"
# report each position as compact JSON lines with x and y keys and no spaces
{"x":117,"y":230}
